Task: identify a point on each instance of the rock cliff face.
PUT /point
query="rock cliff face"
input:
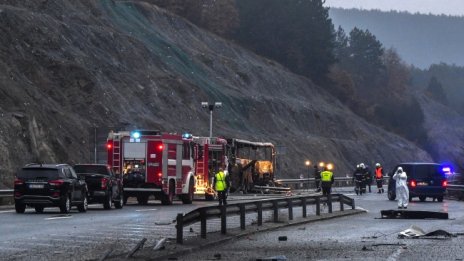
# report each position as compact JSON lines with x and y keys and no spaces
{"x":69,"y":66}
{"x":445,"y":131}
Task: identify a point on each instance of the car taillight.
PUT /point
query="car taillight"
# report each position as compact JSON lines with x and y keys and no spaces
{"x":18,"y":181}
{"x":56,"y":183}
{"x":104,"y":183}
{"x":413,"y":183}
{"x":160,"y":174}
{"x":444,"y":183}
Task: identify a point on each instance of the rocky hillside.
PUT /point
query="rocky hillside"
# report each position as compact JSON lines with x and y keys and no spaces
{"x":445,"y":132}
{"x":67,"y":66}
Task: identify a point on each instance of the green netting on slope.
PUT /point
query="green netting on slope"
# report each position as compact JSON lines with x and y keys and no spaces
{"x":128,"y":18}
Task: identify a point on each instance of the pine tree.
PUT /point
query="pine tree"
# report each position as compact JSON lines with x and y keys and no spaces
{"x":297,"y":33}
{"x":364,"y":54}
{"x":435,"y":91}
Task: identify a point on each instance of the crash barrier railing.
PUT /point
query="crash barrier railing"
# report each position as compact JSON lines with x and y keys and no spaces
{"x":311,"y":182}
{"x":6,"y":196}
{"x":286,"y":183}
{"x":455,"y":187}
{"x":6,"y":193}
{"x":240,"y":209}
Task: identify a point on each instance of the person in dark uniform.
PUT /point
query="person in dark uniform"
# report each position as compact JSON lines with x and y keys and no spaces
{"x":317,"y":178}
{"x":368,"y":175}
{"x":359,"y":178}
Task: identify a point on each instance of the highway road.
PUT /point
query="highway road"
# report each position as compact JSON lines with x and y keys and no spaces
{"x":359,"y":237}
{"x":86,"y":236}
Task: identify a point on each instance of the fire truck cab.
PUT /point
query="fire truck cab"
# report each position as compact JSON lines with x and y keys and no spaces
{"x":153,"y":163}
{"x":165,"y":165}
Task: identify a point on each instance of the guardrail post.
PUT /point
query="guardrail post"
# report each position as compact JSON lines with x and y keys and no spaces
{"x":318,"y":206}
{"x":242,"y":216}
{"x":290,"y":208}
{"x":180,"y":228}
{"x":329,"y":202}
{"x":203,"y":223}
{"x":342,"y":207}
{"x":259,"y":205}
{"x":352,"y":203}
{"x":276,"y":211}
{"x":223,"y":220}
{"x":303,"y":205}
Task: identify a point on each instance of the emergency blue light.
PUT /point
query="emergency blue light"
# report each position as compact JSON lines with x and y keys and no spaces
{"x":186,"y":136}
{"x":135,"y":134}
{"x":446,"y":169}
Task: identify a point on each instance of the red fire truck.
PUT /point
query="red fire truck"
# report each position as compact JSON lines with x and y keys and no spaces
{"x":165,"y":165}
{"x":210,"y":154}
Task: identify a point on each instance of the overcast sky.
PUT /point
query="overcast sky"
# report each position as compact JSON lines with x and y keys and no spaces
{"x":447,"y":7}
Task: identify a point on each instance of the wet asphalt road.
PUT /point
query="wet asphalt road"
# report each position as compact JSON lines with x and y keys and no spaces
{"x":362,"y":236}
{"x":88,"y":236}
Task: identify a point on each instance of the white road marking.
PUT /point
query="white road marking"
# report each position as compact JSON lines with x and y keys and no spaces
{"x":53,"y":218}
{"x":395,"y":256}
{"x":143,"y":210}
{"x":360,"y":208}
{"x":7,"y":211}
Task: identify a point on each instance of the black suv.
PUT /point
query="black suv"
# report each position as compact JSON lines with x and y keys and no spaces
{"x":424,"y":180}
{"x":104,"y":186}
{"x":49,"y":185}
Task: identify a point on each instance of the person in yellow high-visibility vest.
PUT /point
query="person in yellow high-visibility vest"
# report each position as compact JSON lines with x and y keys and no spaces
{"x":327,"y":179}
{"x":221,"y":184}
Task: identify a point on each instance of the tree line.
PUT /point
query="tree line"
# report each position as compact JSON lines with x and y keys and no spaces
{"x":355,"y":66}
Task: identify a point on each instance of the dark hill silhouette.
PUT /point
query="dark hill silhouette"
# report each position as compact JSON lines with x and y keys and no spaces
{"x":421,"y":40}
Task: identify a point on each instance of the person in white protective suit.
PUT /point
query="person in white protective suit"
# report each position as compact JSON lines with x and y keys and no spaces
{"x":402,"y":191}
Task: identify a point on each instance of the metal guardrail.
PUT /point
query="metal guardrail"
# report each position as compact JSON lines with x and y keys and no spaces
{"x":455,"y":187}
{"x":240,"y":209}
{"x":6,"y":193}
{"x":338,"y":182}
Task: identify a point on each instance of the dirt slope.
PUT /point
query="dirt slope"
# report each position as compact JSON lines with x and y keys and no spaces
{"x":68,"y":66}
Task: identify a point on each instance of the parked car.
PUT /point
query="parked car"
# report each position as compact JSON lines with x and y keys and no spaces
{"x":455,"y":186}
{"x":103,"y":185}
{"x":425,"y":180}
{"x":49,"y":185}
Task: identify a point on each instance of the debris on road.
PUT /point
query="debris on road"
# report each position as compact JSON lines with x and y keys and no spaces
{"x":417,"y":232}
{"x":413,"y":214}
{"x":367,"y":249}
{"x":283,"y":238}
{"x":160,"y":244}
{"x":137,"y":247}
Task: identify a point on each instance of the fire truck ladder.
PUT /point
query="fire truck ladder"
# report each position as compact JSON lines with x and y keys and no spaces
{"x":116,"y":156}
{"x":201,"y":183}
